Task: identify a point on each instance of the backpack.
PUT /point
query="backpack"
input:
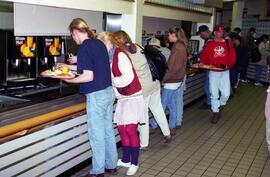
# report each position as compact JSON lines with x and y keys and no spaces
{"x":156,"y":61}
{"x":255,"y":55}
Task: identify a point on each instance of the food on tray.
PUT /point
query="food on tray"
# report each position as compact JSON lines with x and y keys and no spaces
{"x":63,"y":73}
{"x":203,"y":66}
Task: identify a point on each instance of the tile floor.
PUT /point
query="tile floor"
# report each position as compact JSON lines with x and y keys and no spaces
{"x":234,"y":147}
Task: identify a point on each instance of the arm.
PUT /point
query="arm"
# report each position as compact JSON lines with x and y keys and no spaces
{"x":125,"y":68}
{"x":204,"y":57}
{"x":86,"y":76}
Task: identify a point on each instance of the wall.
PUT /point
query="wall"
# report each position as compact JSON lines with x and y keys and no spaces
{"x":6,"y":20}
{"x":255,"y":7}
{"x":43,"y":20}
{"x":152,"y":24}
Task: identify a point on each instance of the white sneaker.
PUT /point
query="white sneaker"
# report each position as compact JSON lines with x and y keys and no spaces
{"x":258,"y":84}
{"x":244,"y":81}
{"x":120,"y":163}
{"x":132,"y":170}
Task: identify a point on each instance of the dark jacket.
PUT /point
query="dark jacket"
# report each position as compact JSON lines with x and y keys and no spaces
{"x":242,"y":57}
{"x":176,"y":64}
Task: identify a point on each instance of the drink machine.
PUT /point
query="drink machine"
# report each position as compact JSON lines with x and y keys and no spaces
{"x":21,"y":60}
{"x":50,"y":51}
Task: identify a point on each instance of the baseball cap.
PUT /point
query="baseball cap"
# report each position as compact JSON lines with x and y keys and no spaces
{"x":203,"y":28}
{"x":218,"y":28}
{"x":154,"y":41}
{"x":252,"y":29}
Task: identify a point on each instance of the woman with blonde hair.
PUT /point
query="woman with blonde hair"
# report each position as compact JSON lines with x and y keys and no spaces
{"x":129,"y":111}
{"x":95,"y":83}
{"x":150,"y":88}
{"x":174,"y":79}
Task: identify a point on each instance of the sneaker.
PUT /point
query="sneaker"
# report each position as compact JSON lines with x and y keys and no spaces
{"x":167,"y":139}
{"x":132,"y":170}
{"x":120,"y":163}
{"x":258,"y":84}
{"x":144,"y":148}
{"x":244,"y":80}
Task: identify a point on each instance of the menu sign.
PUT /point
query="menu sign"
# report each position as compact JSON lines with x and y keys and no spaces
{"x":52,"y":46}
{"x":25,"y":46}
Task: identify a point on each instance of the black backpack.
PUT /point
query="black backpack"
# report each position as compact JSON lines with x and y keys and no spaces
{"x":156,"y":61}
{"x":255,"y":55}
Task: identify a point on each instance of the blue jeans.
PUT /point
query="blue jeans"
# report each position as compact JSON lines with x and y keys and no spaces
{"x":100,"y":130}
{"x":206,"y":88}
{"x":180,"y":103}
{"x":258,"y":72}
{"x":219,"y":82}
{"x":173,"y":99}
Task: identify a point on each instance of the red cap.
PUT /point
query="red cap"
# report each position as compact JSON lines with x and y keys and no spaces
{"x":218,"y":28}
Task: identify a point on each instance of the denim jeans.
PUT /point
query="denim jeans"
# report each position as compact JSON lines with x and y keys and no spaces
{"x":219,"y":83}
{"x":206,"y":88}
{"x":100,"y":130}
{"x":258,"y":72}
{"x":180,"y":102}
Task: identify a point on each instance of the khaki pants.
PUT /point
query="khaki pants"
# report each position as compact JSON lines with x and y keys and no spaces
{"x":153,"y":102}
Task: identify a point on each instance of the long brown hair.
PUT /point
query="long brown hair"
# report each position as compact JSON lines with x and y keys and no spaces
{"x":80,"y":25}
{"x":108,"y":36}
{"x":122,"y":37}
{"x":180,"y":34}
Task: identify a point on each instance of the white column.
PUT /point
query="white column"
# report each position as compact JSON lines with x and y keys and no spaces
{"x":132,"y":23}
{"x":237,"y":14}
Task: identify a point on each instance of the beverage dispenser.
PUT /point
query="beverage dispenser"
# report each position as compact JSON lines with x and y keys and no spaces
{"x":22,"y":63}
{"x":50,"y":51}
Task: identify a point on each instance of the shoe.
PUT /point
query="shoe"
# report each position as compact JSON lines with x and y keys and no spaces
{"x":144,"y":148}
{"x":244,"y":80}
{"x":215,"y":118}
{"x":120,"y":163}
{"x":111,"y":171}
{"x":173,"y":131}
{"x":152,"y":130}
{"x":167,"y":139}
{"x":132,"y":170}
{"x":258,"y":84}
{"x":95,"y":175}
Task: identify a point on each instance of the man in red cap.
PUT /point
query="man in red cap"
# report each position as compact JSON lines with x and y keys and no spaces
{"x":219,"y":54}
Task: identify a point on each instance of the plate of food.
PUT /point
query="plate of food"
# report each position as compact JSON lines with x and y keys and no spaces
{"x":203,"y":66}
{"x":63,"y":73}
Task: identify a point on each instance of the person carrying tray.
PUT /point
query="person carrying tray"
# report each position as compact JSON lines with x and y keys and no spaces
{"x":219,"y":53}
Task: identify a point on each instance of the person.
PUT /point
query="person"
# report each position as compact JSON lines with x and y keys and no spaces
{"x":173,"y":81}
{"x":220,"y":54}
{"x":205,"y":34}
{"x":95,"y":83}
{"x":241,"y":64}
{"x":237,"y":30}
{"x":248,"y":42}
{"x":150,"y":88}
{"x":265,"y":54}
{"x":267,"y":118}
{"x":129,"y":111}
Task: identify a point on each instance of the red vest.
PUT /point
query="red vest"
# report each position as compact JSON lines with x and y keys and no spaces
{"x":135,"y":85}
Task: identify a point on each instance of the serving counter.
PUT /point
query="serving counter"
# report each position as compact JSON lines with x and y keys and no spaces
{"x":49,"y":138}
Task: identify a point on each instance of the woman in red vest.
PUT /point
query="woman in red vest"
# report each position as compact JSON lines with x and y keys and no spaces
{"x":129,"y":110}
